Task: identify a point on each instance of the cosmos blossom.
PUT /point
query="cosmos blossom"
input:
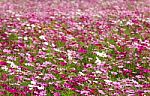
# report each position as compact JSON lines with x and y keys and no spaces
{"x":3,"y":63}
{"x":74,"y":47}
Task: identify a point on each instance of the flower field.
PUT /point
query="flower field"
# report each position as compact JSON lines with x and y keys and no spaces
{"x":74,"y":47}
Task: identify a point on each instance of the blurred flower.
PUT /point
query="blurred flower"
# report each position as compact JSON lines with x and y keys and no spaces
{"x":4,"y":68}
{"x":101,"y":92}
{"x":12,"y":64}
{"x":42,"y":37}
{"x":56,"y":94}
{"x":40,"y":87}
{"x":7,"y":51}
{"x":2,"y":63}
{"x":33,"y":82}
{"x":102,"y":54}
{"x":81,"y":50}
{"x":84,"y":92}
{"x":98,"y":61}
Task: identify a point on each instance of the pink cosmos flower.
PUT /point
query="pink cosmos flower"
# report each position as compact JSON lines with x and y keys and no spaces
{"x":56,"y":94}
{"x":7,"y":51}
{"x":4,"y":76}
{"x":63,"y":63}
{"x":2,"y":63}
{"x":2,"y":93}
{"x":11,"y":90}
{"x":81,"y":50}
{"x":101,"y":92}
{"x":21,"y":45}
{"x":84,"y":92}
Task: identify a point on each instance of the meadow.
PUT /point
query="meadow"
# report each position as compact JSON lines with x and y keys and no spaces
{"x":74,"y":47}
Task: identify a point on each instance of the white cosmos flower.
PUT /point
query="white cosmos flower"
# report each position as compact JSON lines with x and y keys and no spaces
{"x":42,"y":37}
{"x":98,"y":61}
{"x":28,"y":25}
{"x":102,"y":54}
{"x":40,"y":87}
{"x":33,"y":82}
{"x":57,"y":49}
{"x":129,"y":23}
{"x":25,"y":38}
{"x":53,"y":45}
{"x":147,"y":20}
{"x":12,"y":64}
{"x":97,"y":71}
{"x":69,"y":53}
{"x":27,"y":64}
{"x":4,"y":68}
{"x":31,"y":87}
{"x":13,"y":30}
{"x":81,"y":73}
{"x":43,"y":48}
{"x":45,"y":43}
{"x":18,"y":19}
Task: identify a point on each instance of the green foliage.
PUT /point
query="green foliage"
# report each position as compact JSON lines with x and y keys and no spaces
{"x":111,"y":41}
{"x":68,"y":93}
{"x":25,"y":83}
{"x":127,"y":30}
{"x":60,"y":44}
{"x":30,"y":68}
{"x":13,"y":37}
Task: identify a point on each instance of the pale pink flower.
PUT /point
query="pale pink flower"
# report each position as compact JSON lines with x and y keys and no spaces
{"x":56,"y":94}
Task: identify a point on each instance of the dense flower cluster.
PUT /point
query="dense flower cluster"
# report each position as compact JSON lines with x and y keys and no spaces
{"x":74,"y":47}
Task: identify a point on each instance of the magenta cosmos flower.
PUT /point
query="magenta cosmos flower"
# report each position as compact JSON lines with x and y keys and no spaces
{"x":81,"y":50}
{"x":2,"y":63}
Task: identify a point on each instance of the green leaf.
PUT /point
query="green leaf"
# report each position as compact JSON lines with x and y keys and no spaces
{"x":127,"y":31}
{"x":112,"y":42}
{"x":30,"y":68}
{"x":60,"y":44}
{"x":29,"y":42}
{"x":91,"y":48}
{"x":13,"y":37}
{"x":82,"y":43}
{"x":25,"y":83}
{"x":68,"y":93}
